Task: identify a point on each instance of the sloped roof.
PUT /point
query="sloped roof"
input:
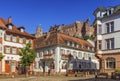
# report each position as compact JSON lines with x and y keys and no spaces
{"x":14,"y":29}
{"x":51,"y":39}
{"x":99,"y":9}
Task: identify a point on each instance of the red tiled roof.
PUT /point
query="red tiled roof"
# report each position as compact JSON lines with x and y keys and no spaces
{"x":62,"y":38}
{"x":14,"y":30}
{"x":59,"y":38}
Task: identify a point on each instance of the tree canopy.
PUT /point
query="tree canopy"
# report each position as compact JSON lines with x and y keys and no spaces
{"x":1,"y":57}
{"x":27,"y":55}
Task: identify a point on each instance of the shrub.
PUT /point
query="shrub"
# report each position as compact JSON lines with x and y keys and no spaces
{"x":117,"y":70}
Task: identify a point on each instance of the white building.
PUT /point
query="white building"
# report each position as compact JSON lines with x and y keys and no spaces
{"x":12,"y":39}
{"x":107,"y":26}
{"x":54,"y":49}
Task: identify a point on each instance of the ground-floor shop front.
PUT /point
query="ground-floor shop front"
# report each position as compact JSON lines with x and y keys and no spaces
{"x":109,"y":62}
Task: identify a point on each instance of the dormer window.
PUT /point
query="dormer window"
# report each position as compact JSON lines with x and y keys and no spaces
{"x":10,"y":27}
{"x":22,"y":29}
{"x":110,"y":11}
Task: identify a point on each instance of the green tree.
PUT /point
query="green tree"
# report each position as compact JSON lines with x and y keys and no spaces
{"x":86,"y":38}
{"x":27,"y":56}
{"x":1,"y":57}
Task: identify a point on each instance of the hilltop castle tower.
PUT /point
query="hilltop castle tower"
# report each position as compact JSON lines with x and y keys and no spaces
{"x":39,"y":32}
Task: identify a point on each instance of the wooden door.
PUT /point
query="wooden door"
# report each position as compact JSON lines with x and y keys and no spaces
{"x":7,"y":67}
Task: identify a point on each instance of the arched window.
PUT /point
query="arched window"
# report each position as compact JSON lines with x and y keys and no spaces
{"x":110,"y":63}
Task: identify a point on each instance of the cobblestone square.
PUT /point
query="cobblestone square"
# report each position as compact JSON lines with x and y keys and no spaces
{"x":54,"y":78}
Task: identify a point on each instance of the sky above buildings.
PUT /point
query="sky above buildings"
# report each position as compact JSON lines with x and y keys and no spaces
{"x":33,"y":13}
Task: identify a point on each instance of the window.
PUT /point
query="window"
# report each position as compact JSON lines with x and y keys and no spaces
{"x":79,"y":54}
{"x":27,"y":41}
{"x":13,"y":38}
{"x":68,"y":52}
{"x":85,"y":55}
{"x":110,"y":12}
{"x":75,"y":54}
{"x":110,"y":43}
{"x":99,"y":29}
{"x":70,"y":43}
{"x":89,"y":56}
{"x":14,"y":50}
{"x":91,"y":48}
{"x":7,"y":50}
{"x":75,"y":45}
{"x":109,"y":27}
{"x":8,"y":37}
{"x":22,"y":30}
{"x":10,"y":27}
{"x":0,"y":48}
{"x":99,"y":45}
{"x":62,"y":51}
{"x":112,"y":26}
{"x":67,"y":42}
{"x":110,"y":63}
{"x":20,"y":40}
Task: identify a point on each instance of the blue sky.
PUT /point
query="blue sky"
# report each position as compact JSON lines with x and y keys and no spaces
{"x":32,"y":13}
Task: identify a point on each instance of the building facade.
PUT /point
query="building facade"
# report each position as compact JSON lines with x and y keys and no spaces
{"x":12,"y":39}
{"x":107,"y":38}
{"x":77,"y":29}
{"x":53,"y":51}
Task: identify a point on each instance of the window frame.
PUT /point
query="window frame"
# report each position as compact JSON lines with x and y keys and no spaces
{"x":8,"y":37}
{"x":14,"y":38}
{"x":14,"y":50}
{"x":108,"y":61}
{"x":6,"y":50}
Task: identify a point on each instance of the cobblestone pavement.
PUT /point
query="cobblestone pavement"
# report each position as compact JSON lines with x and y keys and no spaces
{"x":54,"y":78}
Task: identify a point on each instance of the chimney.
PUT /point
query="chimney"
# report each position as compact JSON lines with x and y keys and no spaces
{"x":10,"y":19}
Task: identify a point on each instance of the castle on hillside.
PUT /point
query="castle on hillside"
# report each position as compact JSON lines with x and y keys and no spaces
{"x":77,"y":29}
